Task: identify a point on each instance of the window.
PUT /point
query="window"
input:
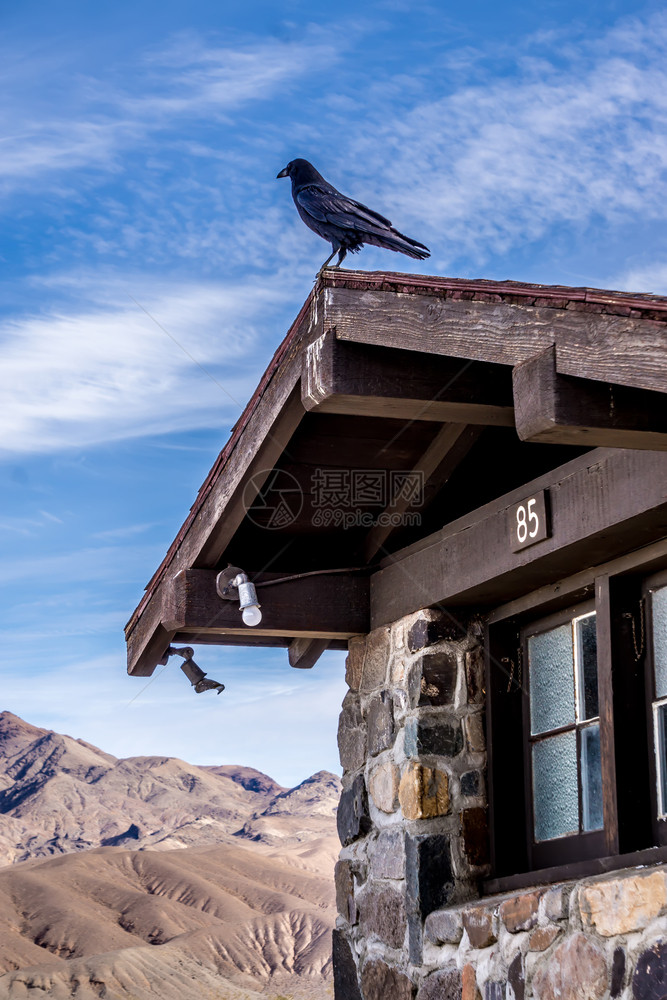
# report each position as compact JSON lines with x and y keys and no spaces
{"x":577,"y":724}
{"x":655,"y":598}
{"x":563,"y":731}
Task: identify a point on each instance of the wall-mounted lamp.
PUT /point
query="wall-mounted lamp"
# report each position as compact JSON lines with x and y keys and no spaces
{"x":193,"y":671}
{"x":234,"y":578}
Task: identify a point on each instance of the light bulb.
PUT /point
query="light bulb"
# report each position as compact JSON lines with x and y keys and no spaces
{"x":251,"y":615}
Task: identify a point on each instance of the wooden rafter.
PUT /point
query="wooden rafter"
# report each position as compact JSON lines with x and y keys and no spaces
{"x":447,"y":449}
{"x":304,"y":653}
{"x":565,"y":410}
{"x":362,"y":380}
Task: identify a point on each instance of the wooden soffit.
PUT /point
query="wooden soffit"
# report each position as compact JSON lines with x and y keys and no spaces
{"x":345,"y":354}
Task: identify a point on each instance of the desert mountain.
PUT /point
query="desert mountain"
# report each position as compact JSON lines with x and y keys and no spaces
{"x":59,"y":794}
{"x":149,"y":877}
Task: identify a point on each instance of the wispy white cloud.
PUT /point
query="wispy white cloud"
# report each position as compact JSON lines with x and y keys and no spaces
{"x":98,"y":119}
{"x":76,"y":377}
{"x":191,"y":77}
{"x":123,"y":532}
{"x":494,"y":165}
{"x":647,"y":278}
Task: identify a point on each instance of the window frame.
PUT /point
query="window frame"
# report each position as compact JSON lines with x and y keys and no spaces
{"x":626,"y":726}
{"x":655,"y":581}
{"x":583,"y":844}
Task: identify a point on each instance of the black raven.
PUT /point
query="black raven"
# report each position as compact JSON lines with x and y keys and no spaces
{"x":345,"y":223}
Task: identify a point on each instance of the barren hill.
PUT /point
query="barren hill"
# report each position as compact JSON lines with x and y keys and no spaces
{"x":242,"y":908}
{"x":59,"y":794}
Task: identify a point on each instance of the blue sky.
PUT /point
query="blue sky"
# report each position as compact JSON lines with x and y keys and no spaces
{"x":139,"y":148}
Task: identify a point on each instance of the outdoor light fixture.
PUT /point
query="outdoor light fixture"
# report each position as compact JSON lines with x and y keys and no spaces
{"x":234,"y":578}
{"x":193,"y":671}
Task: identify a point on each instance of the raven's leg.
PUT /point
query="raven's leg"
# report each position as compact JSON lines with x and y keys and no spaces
{"x":342,"y":253}
{"x":331,"y":255}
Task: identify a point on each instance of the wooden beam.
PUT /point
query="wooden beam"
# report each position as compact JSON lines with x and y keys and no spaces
{"x":327,"y":606}
{"x":603,"y":504}
{"x":257,"y":459}
{"x":447,"y":449}
{"x":357,"y":379}
{"x":304,"y":653}
{"x":566,"y":410}
{"x":628,"y":350}
{"x":580,"y":586}
{"x":616,"y":349}
{"x":606,"y":709}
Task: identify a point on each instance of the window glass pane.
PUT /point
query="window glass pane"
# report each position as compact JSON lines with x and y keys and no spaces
{"x":659,"y":609}
{"x":661,"y":755}
{"x":555,"y":792}
{"x":551,"y":668}
{"x":587,"y":665}
{"x":591,"y":779}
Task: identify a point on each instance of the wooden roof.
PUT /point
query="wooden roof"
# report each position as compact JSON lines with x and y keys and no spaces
{"x":482,"y":386}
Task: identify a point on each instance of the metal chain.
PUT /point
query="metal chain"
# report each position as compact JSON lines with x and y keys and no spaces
{"x":638,"y":648}
{"x":507,"y":659}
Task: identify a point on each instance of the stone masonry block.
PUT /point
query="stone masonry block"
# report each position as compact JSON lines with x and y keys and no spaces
{"x":346,"y":983}
{"x":475,"y":835}
{"x":415,"y":939}
{"x":554,"y":903}
{"x":576,"y":971}
{"x":351,"y":734}
{"x":429,"y":876}
{"x":617,"y":973}
{"x":378,"y":647}
{"x":428,"y":630}
{"x":380,"y":982}
{"x":475,"y":736}
{"x":432,"y":679}
{"x":542,"y":938}
{"x":439,"y":739}
{"x":388,"y":857}
{"x":383,"y":786}
{"x":423,"y":792}
{"x":649,"y":981}
{"x":442,"y":985}
{"x":444,"y":927}
{"x":516,"y":979}
{"x":471,"y":783}
{"x":380,"y":722}
{"x":475,"y":683}
{"x":353,"y":819}
{"x":478,"y":923}
{"x":382,"y":914}
{"x":520,"y":912}
{"x":354,"y":663}
{"x":344,"y":881}
{"x":621,"y":905}
{"x":469,"y":989}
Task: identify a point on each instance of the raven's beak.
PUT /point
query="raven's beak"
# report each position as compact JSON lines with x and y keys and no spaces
{"x":283,"y":173}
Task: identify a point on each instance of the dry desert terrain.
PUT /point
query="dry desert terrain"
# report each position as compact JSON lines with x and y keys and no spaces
{"x":149,"y":877}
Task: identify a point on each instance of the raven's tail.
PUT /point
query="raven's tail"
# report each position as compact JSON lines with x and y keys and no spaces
{"x":391,"y":239}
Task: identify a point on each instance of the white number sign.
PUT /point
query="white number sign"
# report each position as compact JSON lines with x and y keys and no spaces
{"x":529,"y":523}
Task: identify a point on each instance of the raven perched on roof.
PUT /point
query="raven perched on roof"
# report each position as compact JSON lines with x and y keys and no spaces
{"x":345,"y":223}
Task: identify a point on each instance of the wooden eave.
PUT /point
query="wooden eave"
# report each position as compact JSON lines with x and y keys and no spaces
{"x":339,"y":359}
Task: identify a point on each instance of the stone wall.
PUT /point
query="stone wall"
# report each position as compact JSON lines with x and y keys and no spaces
{"x":413,"y":824}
